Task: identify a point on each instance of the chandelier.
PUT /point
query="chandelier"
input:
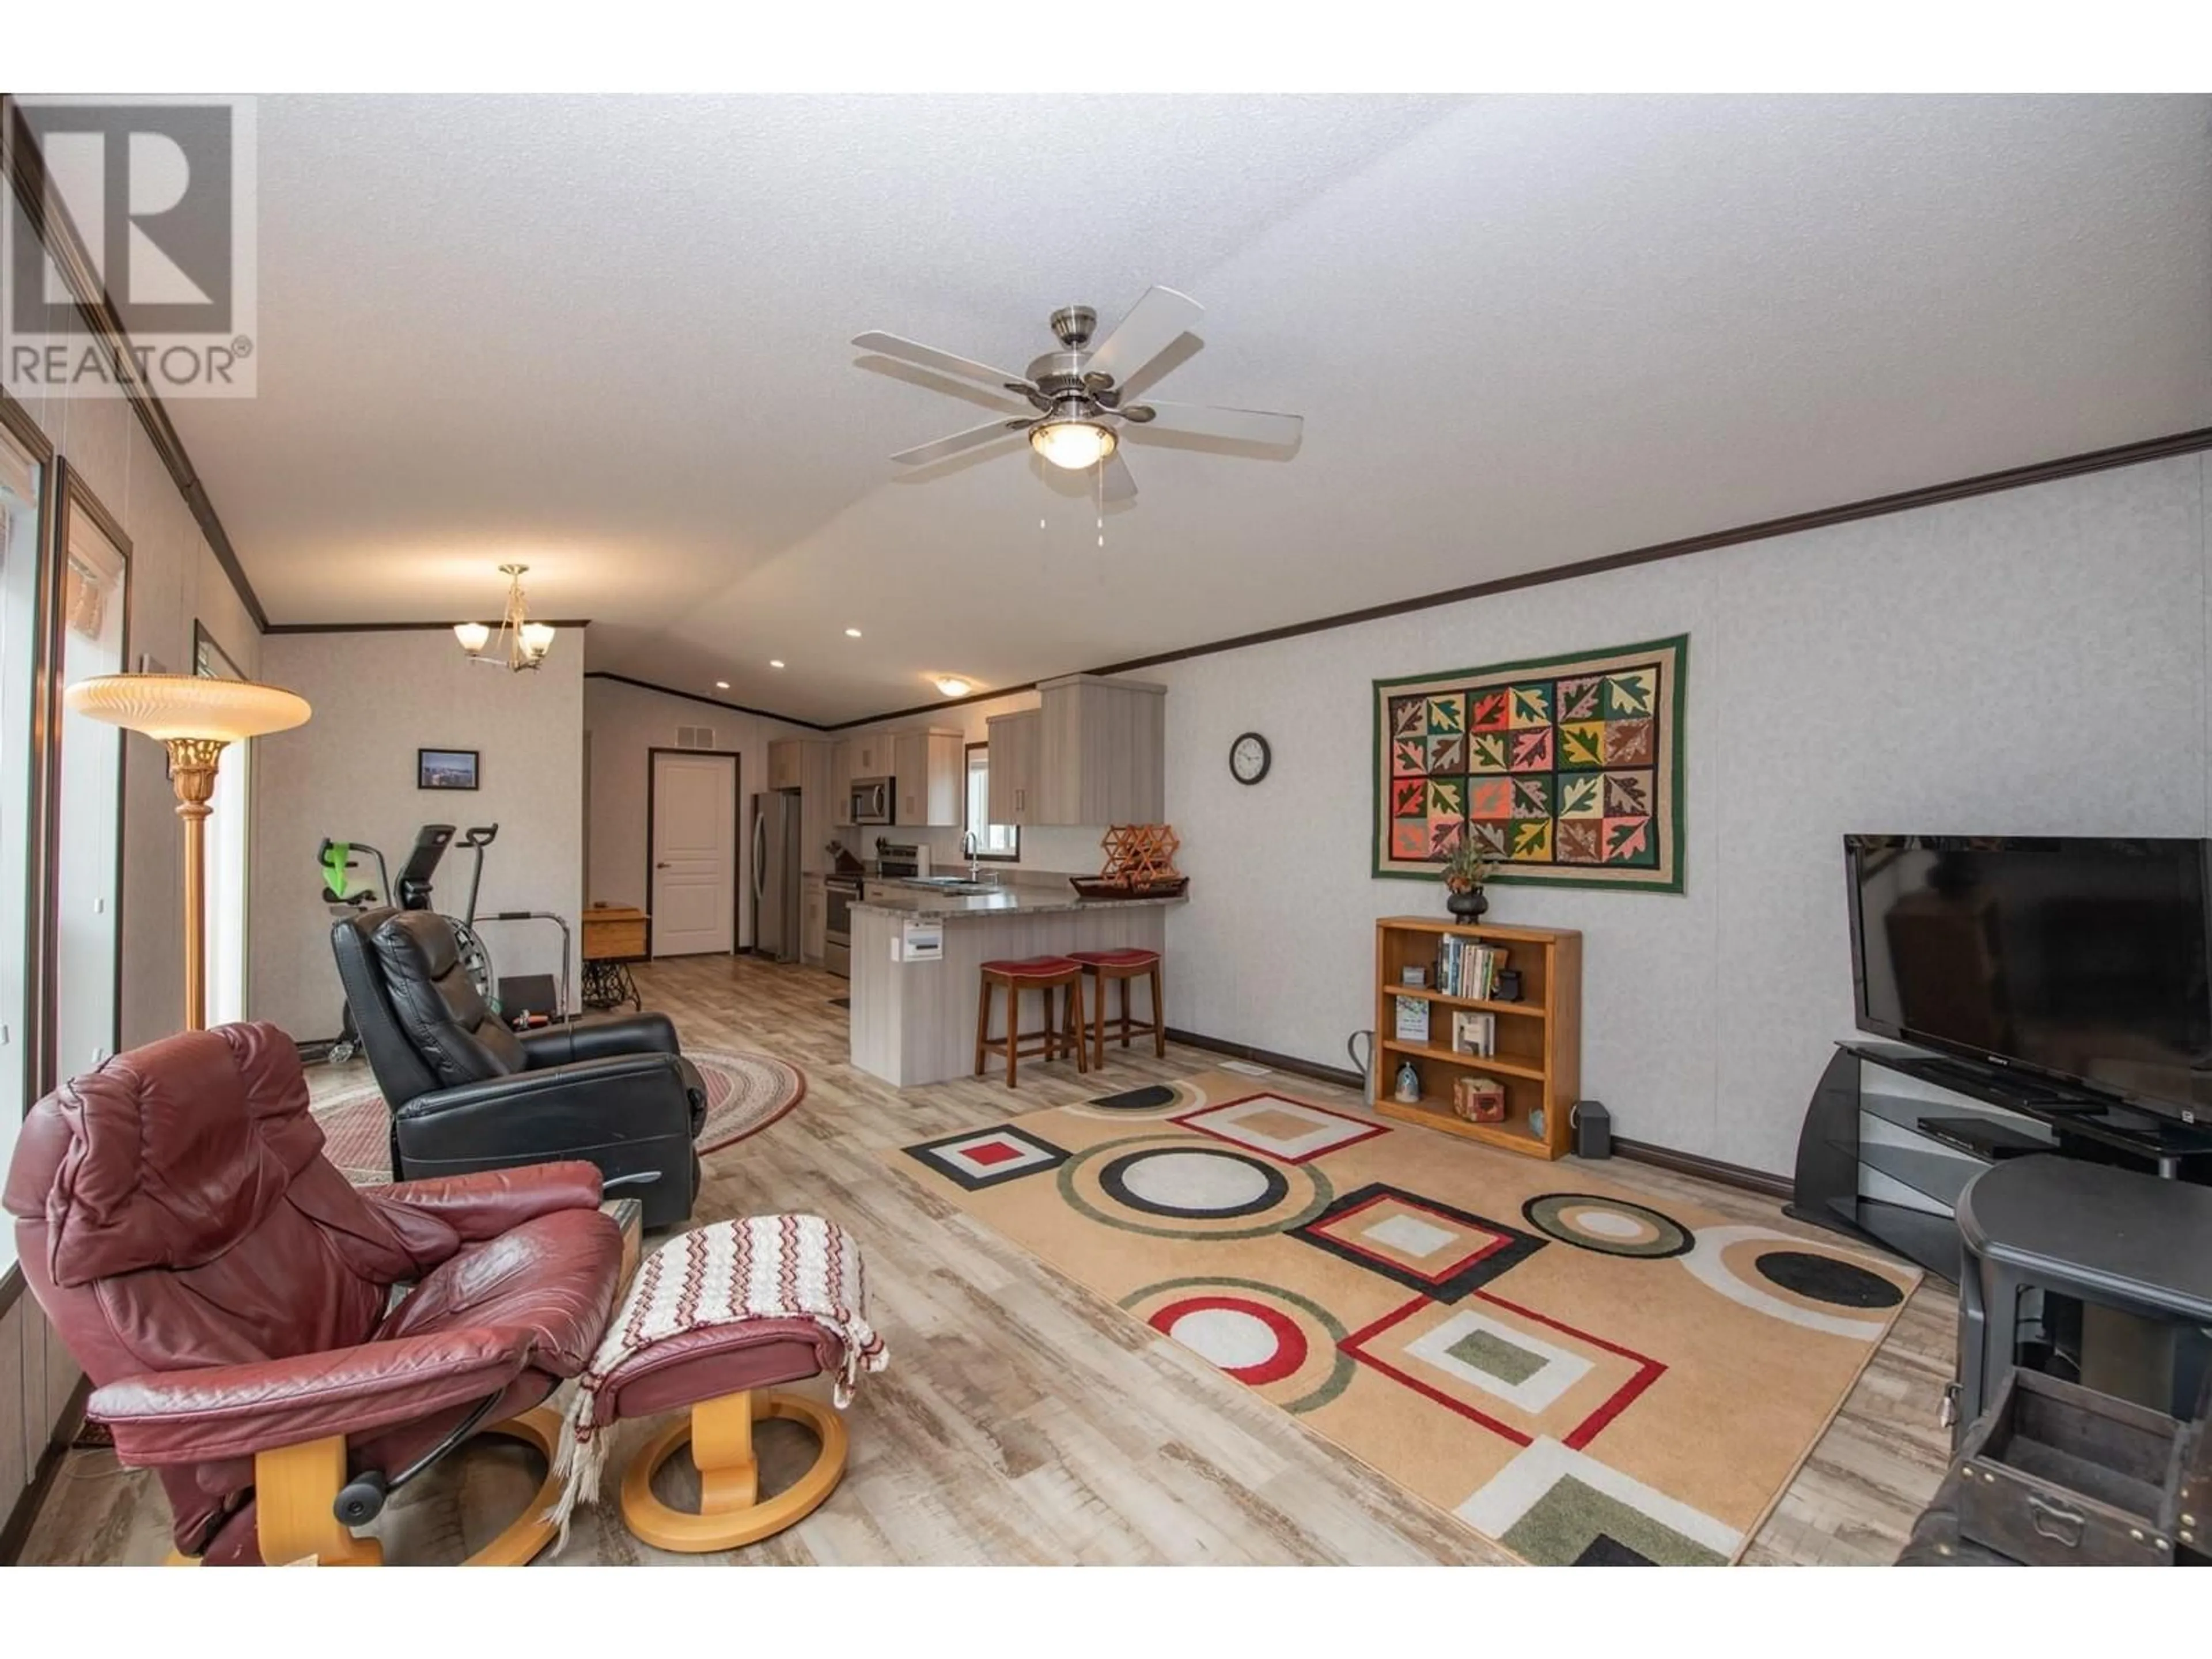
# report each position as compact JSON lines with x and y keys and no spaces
{"x":526,"y":642}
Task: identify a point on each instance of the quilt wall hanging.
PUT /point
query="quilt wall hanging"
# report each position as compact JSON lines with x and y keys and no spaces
{"x":1567,"y":770}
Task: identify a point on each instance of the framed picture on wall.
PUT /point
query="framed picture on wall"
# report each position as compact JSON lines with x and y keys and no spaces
{"x":444,"y":769}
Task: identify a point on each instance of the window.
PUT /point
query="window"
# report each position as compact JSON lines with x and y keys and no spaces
{"x":993,"y":840}
{"x":89,"y":799}
{"x":225,"y":853}
{"x":20,"y":477}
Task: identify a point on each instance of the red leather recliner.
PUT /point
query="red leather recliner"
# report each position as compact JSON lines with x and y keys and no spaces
{"x":229,"y":1294}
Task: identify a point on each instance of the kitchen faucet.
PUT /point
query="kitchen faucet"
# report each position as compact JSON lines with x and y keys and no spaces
{"x":971,"y":846}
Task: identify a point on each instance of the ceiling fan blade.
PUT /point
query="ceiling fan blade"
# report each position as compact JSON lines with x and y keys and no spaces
{"x":913,"y":351}
{"x":1251,"y":426}
{"x":1118,"y":485}
{"x":955,"y":444}
{"x":1154,"y":323}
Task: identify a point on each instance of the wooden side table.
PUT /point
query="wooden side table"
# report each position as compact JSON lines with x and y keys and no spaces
{"x":614,"y":937}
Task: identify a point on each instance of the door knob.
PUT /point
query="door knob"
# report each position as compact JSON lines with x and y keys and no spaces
{"x":663,"y":864}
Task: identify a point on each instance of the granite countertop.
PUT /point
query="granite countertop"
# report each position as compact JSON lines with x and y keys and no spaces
{"x":895,"y":898}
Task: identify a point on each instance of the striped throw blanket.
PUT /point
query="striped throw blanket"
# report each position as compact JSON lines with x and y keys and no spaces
{"x":775,"y":1267}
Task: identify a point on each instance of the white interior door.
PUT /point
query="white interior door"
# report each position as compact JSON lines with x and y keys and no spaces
{"x":694,"y":853}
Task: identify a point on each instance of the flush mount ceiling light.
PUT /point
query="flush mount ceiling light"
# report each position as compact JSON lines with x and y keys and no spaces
{"x":775,"y":662}
{"x":721,"y":685}
{"x":951,"y":686}
{"x":852,"y":633}
{"x":528,"y":641}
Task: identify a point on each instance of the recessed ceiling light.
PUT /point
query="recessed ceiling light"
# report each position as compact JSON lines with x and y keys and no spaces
{"x":721,"y":685}
{"x":775,"y":662}
{"x":952,"y":685}
{"x":852,"y":633}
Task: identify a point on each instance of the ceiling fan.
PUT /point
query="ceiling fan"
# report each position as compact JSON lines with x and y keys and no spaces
{"x":1077,"y":392}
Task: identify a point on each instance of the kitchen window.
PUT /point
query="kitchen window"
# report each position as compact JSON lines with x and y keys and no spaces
{"x":993,"y":840}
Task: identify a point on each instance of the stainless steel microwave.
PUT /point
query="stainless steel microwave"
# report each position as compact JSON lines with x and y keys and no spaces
{"x":874,"y":800}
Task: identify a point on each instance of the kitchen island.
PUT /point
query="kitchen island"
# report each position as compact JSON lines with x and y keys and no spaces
{"x":914,"y":1022}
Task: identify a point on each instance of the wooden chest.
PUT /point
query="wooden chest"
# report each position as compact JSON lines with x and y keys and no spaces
{"x":614,"y":934}
{"x":2056,"y":1474}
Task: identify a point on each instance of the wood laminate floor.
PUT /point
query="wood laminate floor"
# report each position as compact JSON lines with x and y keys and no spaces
{"x":1023,"y":1419}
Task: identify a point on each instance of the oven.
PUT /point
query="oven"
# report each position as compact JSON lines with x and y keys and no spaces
{"x":842,"y":893}
{"x":874,"y":800}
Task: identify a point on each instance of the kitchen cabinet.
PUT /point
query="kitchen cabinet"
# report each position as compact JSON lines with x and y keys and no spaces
{"x":814,"y":921}
{"x":1100,"y":752}
{"x":1013,"y":776}
{"x":870,"y":754}
{"x":930,"y":767}
{"x":841,"y":782}
{"x":787,"y":759}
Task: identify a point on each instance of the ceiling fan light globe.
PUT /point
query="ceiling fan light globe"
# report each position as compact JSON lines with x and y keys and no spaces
{"x":1072,"y":444}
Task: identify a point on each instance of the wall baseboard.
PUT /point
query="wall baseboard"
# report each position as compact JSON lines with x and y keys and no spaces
{"x":1706,"y":1169}
{"x":1640,"y":1151}
{"x":16,"y":1532}
{"x":1339,"y":1075}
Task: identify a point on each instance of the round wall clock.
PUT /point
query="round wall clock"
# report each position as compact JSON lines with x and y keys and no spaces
{"x":1249,"y":758}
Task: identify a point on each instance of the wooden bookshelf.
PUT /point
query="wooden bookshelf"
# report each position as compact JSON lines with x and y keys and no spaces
{"x":1539,"y":1058}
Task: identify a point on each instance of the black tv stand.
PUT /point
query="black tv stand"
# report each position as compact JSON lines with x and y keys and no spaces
{"x":1866,"y":1166}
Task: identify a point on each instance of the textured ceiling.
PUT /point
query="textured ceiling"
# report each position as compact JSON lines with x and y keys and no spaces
{"x":608,"y":337}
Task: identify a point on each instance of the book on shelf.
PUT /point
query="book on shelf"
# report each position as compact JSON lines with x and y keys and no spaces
{"x":1468,"y":968}
{"x":1473,"y":1034}
{"x":1413,"y":1024}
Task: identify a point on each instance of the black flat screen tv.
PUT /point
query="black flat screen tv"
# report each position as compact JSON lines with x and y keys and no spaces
{"x":2084,"y":961}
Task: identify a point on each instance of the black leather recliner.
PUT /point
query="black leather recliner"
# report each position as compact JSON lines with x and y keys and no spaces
{"x":467,"y":1093}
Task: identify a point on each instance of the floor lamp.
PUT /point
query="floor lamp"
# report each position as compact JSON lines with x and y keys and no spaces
{"x":195,"y":716}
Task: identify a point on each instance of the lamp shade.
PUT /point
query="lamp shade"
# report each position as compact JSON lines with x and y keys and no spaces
{"x":167,"y":706}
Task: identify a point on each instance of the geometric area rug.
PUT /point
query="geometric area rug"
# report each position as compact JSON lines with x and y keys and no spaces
{"x":745,"y":1093}
{"x":1577,"y":1375}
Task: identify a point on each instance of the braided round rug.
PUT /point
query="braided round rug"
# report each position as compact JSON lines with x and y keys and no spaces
{"x":745,"y":1093}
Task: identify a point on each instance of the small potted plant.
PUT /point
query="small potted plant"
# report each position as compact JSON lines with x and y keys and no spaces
{"x":1464,"y":872}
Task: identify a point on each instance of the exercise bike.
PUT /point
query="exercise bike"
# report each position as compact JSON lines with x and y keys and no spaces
{"x":337,"y":861}
{"x":525,"y":1000}
{"x":523,"y":1003}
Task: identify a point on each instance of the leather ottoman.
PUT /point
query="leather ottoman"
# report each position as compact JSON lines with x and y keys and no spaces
{"x":721,"y":1378}
{"x":719,"y":1320}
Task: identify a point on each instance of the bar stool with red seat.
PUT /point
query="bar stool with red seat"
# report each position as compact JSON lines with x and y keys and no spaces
{"x":1119,"y":968}
{"x":1063,"y":1029}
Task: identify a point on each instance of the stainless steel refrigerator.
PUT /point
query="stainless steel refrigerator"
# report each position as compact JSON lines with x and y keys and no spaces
{"x":775,"y":874}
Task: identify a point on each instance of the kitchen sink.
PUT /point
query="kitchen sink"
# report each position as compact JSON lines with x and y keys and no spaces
{"x":952,"y":885}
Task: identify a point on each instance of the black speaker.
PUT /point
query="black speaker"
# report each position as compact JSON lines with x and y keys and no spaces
{"x":1592,"y":1126}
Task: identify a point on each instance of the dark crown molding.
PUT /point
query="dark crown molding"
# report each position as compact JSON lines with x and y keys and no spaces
{"x":1874,"y":507}
{"x":711,"y":702}
{"x":51,"y":223}
{"x":407,"y":627}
